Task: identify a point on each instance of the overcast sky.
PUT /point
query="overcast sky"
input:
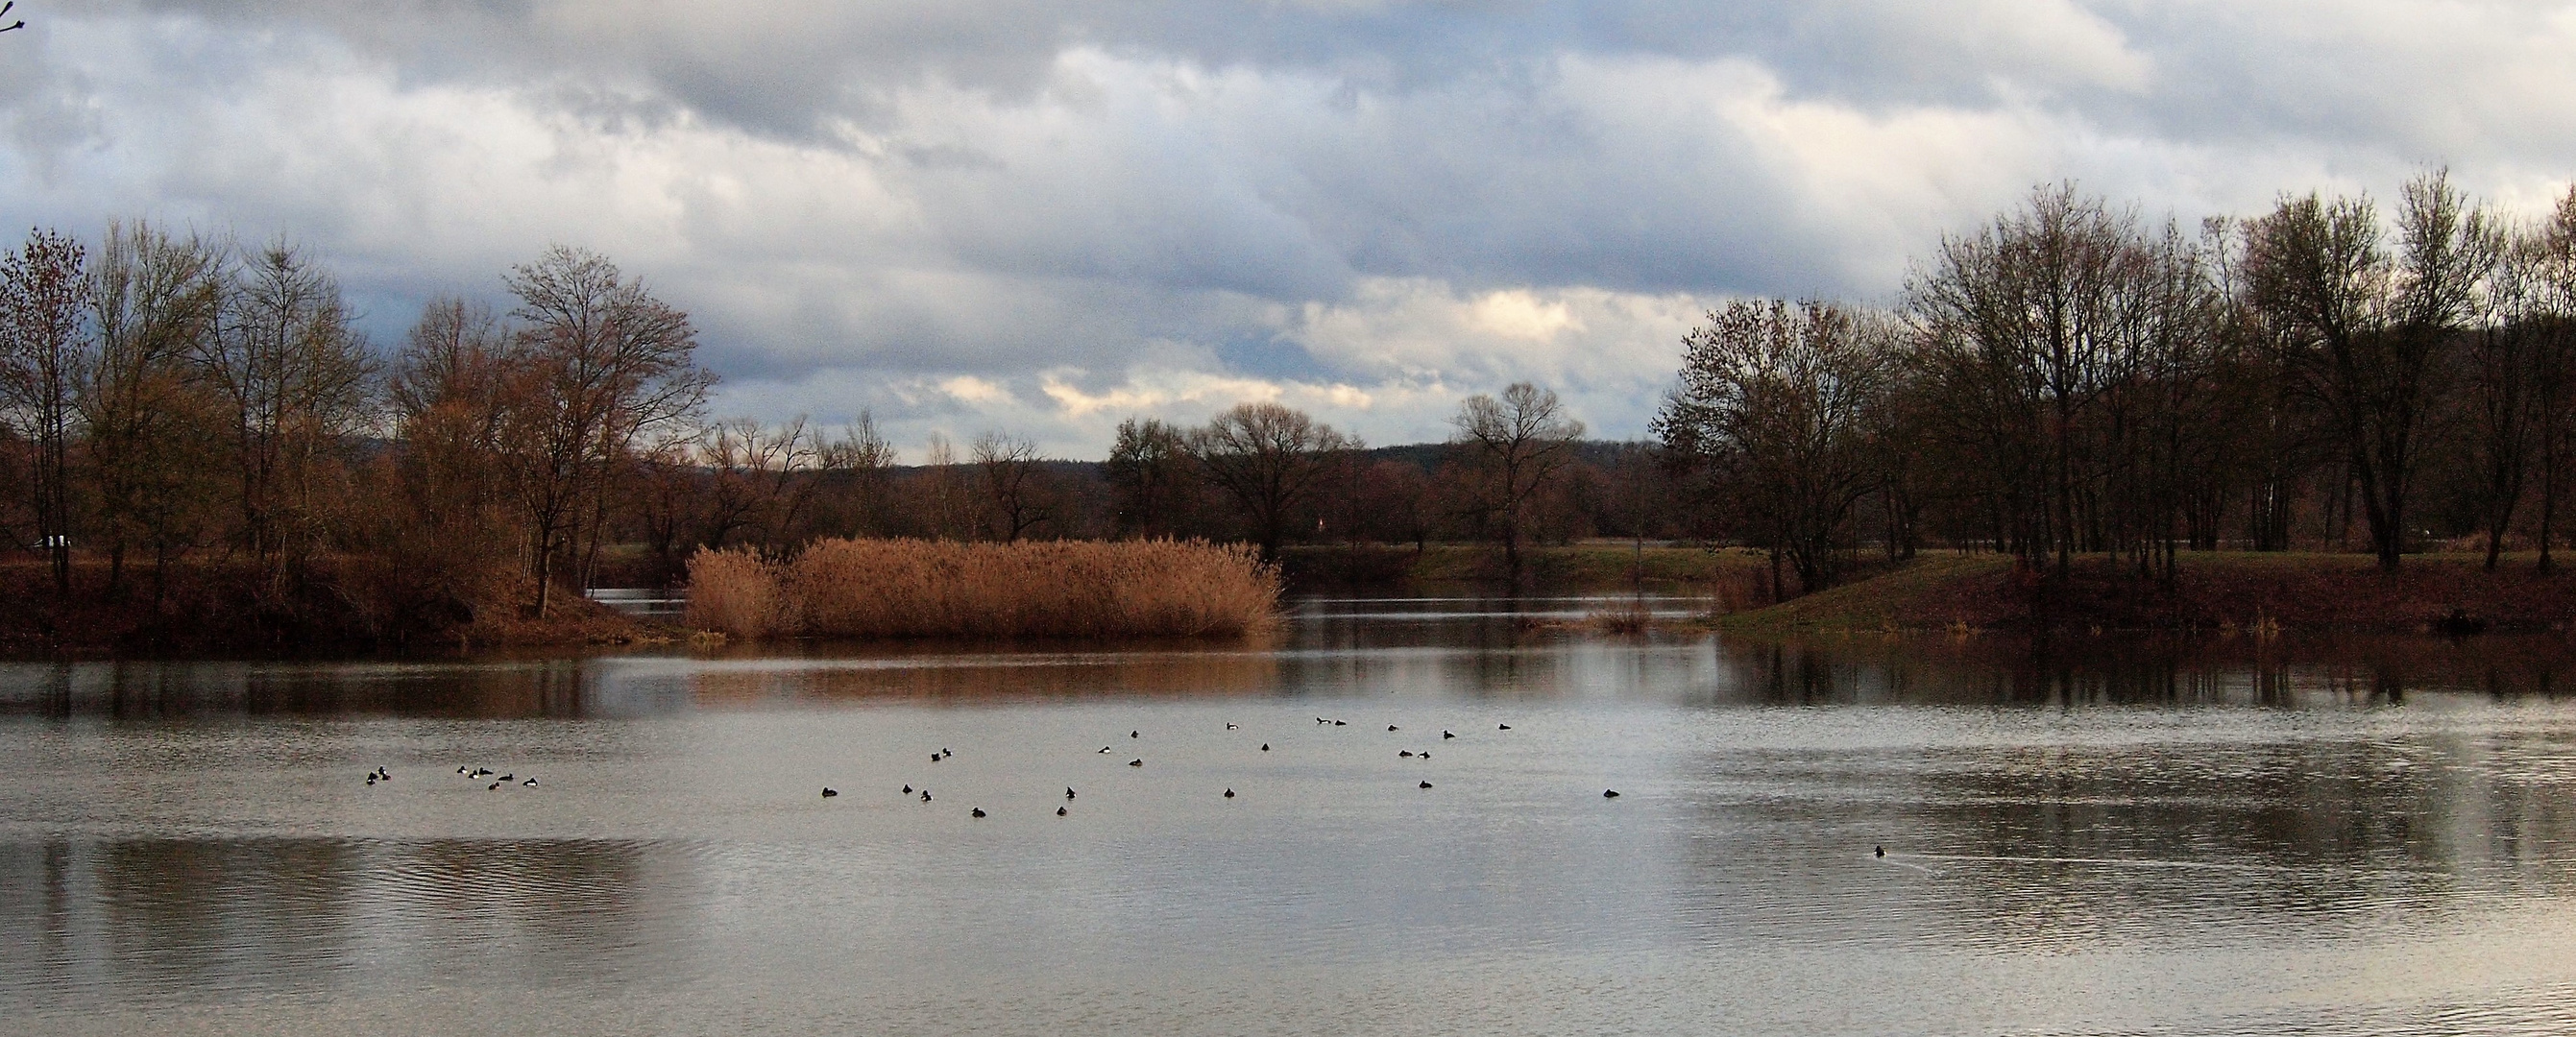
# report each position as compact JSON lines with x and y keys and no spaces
{"x":1043,"y":218}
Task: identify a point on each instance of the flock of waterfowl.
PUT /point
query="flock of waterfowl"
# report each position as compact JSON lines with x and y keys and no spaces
{"x":1138,"y":734}
{"x":499,"y":780}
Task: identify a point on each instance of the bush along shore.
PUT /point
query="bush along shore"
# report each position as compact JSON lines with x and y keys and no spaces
{"x":903,"y":588}
{"x":2216,"y":593}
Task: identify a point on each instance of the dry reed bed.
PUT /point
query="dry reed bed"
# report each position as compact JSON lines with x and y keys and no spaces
{"x":937,"y":588}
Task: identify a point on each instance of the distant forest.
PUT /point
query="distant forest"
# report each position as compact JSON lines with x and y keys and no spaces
{"x":2069,"y":379}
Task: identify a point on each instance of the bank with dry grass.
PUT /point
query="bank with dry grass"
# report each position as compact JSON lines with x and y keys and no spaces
{"x":886,"y":589}
{"x":2217,"y":592}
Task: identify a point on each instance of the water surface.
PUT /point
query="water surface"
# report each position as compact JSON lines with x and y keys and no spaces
{"x":2083,"y":838}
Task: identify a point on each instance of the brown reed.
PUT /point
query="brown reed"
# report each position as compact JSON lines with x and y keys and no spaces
{"x":935,"y":588}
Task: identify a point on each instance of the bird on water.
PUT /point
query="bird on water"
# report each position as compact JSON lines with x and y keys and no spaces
{"x":1502,"y":727}
{"x":907,"y":790}
{"x":1135,"y":734}
{"x":1135,"y":763}
{"x":1059,"y":811}
{"x":530,"y":783}
{"x":1229,"y":793}
{"x":977,"y":812}
{"x":1880,"y":850}
{"x":925,"y":795}
{"x":1068,"y":792}
{"x":1390,"y":727}
{"x":1426,"y":784}
{"x":1609,"y":793}
{"x":829,"y":792}
{"x":1265,"y":747}
{"x":1444,"y":733}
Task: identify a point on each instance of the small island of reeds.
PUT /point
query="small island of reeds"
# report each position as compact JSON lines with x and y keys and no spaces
{"x":908,"y":588}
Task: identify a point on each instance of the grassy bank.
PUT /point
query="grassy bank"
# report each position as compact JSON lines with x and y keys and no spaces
{"x":2214,"y":592}
{"x":870,"y":589}
{"x":209,"y":606}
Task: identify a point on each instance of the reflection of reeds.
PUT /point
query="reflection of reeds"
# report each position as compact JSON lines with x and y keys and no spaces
{"x":1628,"y":617}
{"x":926,"y":588}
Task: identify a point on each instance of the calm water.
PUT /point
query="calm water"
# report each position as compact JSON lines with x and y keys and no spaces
{"x":2089,"y":840}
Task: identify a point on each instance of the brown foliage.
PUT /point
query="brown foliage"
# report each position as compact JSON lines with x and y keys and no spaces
{"x":927,"y":588}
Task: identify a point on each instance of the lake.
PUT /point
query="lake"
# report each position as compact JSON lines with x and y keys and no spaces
{"x":2094,"y":837}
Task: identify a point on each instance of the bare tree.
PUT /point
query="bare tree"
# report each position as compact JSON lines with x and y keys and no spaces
{"x":154,"y":300}
{"x":293,"y":378}
{"x":44,"y":340}
{"x":2017,"y":323}
{"x":2550,"y":258}
{"x":1151,"y":477}
{"x":605,"y":367}
{"x":1013,"y":479}
{"x":2366,"y":333}
{"x":1269,"y":460}
{"x":1512,"y":449}
{"x":1780,"y":397}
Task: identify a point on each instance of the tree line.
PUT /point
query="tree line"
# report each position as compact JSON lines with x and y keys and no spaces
{"x":178,"y":401}
{"x":2067,"y":379}
{"x":2074,"y":379}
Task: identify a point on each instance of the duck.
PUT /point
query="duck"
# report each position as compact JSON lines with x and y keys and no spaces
{"x":1265,"y":747}
{"x":1444,"y":733}
{"x":371,"y":780}
{"x":1426,"y":784}
{"x":506,"y":778}
{"x":1059,"y":811}
{"x":1104,"y":750}
{"x":1229,"y":725}
{"x":1879,"y":850}
{"x":1135,"y":734}
{"x":528,"y":784}
{"x":1229,"y":793}
{"x":829,"y":792}
{"x":384,"y":775}
{"x":925,"y":795}
{"x":1068,"y":792}
{"x":1390,"y":727}
{"x":1502,"y":727}
{"x":907,"y":790}
{"x":977,"y":812}
{"x":1135,"y":763}
{"x":1408,"y":753}
{"x":1609,"y":793}
{"x":934,"y":757}
{"x":495,"y":786}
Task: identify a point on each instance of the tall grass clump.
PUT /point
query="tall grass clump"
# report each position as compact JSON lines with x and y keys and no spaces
{"x":736,"y":592}
{"x":937,"y":588}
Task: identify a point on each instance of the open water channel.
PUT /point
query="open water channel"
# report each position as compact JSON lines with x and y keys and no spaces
{"x":2079,"y":839}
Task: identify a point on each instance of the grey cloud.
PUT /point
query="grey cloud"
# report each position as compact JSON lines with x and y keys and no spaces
{"x":927,"y":188}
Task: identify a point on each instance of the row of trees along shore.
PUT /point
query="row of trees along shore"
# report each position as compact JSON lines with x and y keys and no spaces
{"x":2070,"y":378}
